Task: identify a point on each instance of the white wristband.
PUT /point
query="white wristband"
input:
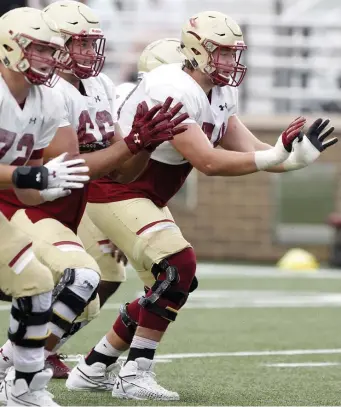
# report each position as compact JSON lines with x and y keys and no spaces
{"x":269,"y":158}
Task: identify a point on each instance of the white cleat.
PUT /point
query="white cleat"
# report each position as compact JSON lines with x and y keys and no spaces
{"x":33,"y":395}
{"x":96,"y":377}
{"x":136,"y":380}
{"x":5,"y":364}
{"x":6,"y":386}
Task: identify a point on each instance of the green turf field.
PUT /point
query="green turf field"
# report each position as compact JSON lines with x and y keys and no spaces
{"x":249,"y":336}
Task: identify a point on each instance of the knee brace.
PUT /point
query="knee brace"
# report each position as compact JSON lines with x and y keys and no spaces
{"x":169,"y":286}
{"x":28,"y":328}
{"x":127,"y":320}
{"x":76,"y":289}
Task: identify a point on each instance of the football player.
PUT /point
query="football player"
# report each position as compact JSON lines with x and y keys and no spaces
{"x":88,"y":97}
{"x":159,"y":52}
{"x":207,"y":83}
{"x":31,"y":47}
{"x":95,"y":242}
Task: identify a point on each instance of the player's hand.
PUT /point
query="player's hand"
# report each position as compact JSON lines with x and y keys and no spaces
{"x":64,"y":174}
{"x":118,"y":255}
{"x":316,"y":136}
{"x":308,"y":147}
{"x":266,"y":159}
{"x":151,"y":127}
{"x":52,"y":194}
{"x":292,"y":132}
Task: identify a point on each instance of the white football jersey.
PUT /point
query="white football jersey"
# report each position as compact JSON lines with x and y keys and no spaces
{"x":211,"y":112}
{"x":92,"y":116}
{"x":23,"y":131}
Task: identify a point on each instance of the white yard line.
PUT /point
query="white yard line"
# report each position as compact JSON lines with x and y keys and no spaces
{"x":210,"y":270}
{"x":306,"y":364}
{"x":74,"y":358}
{"x":224,"y":299}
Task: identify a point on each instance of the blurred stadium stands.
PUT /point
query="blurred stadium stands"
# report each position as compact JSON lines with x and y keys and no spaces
{"x":294,"y":46}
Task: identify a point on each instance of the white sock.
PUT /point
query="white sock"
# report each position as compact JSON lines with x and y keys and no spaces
{"x":107,"y":349}
{"x":143,"y":343}
{"x":6,"y":353}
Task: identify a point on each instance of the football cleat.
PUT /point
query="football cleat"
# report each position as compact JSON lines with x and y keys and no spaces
{"x":33,"y":395}
{"x":59,"y":368}
{"x":136,"y":380}
{"x":96,"y":377}
{"x":5,"y":364}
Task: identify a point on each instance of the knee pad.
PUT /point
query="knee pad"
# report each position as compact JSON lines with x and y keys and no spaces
{"x":175,"y":279}
{"x":29,"y":318}
{"x":76,"y":289}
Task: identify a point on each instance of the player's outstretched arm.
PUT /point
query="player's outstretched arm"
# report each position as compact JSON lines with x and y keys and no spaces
{"x":306,"y":148}
{"x":195,"y":147}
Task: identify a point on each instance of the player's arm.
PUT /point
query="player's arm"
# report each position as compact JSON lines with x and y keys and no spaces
{"x":195,"y":147}
{"x":150,"y":128}
{"x":307,"y":148}
{"x":238,"y":137}
{"x":6,"y":175}
{"x":30,"y":197}
{"x":131,"y":168}
{"x":99,"y":162}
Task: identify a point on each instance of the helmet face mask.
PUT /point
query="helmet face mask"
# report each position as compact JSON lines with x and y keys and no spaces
{"x":39,"y":61}
{"x":221,"y":73}
{"x":85,"y":41}
{"x":86,"y":54}
{"x":213,"y":43}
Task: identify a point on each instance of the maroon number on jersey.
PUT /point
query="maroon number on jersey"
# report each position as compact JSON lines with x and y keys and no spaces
{"x":208,"y":128}
{"x":85,"y":136}
{"x":25,"y":145}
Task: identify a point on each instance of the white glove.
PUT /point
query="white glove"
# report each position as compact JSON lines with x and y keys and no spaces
{"x":280,"y":152}
{"x":307,"y":148}
{"x":61,"y":173}
{"x":52,"y":194}
{"x":303,"y":154}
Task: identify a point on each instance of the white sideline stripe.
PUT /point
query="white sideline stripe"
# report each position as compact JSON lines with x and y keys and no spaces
{"x":224,"y":271}
{"x":307,"y":364}
{"x":75,"y":358}
{"x":209,"y":270}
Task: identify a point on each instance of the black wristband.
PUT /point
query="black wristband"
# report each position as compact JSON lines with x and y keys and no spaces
{"x":31,"y":177}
